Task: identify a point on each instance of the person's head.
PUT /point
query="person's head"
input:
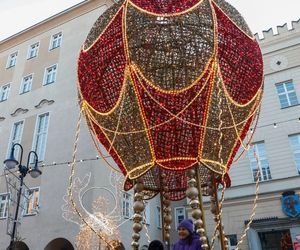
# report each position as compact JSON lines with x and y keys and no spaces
{"x":185,"y":229}
{"x":156,"y":245}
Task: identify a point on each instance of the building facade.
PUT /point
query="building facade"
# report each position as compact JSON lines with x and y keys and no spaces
{"x":276,"y":144}
{"x":39,"y":109}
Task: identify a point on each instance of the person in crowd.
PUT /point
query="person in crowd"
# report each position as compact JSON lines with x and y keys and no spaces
{"x":188,"y":239}
{"x":156,"y":245}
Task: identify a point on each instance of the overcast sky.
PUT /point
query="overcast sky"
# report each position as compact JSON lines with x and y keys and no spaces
{"x":16,"y":15}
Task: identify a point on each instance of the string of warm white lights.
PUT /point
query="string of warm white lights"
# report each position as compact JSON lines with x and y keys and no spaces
{"x":104,"y":220}
{"x":253,"y":212}
{"x":70,"y":190}
{"x":68,"y":163}
{"x":77,"y":161}
{"x":275,"y":124}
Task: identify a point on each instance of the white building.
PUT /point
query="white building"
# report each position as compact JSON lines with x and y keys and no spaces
{"x":39,"y":109}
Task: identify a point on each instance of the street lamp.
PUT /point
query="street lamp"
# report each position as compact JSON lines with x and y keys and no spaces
{"x":34,"y":171}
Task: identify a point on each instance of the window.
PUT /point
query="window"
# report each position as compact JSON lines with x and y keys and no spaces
{"x":16,"y":135}
{"x":33,"y":50}
{"x":31,"y":201}
{"x":4,"y":92}
{"x":126,"y":205}
{"x":26,"y":84}
{"x":56,"y":41}
{"x":295,"y":144}
{"x":50,"y":75}
{"x":12,"y":60}
{"x":4,"y":199}
{"x":279,"y":238}
{"x":260,"y":162}
{"x":41,"y":131}
{"x":158,"y":217}
{"x":232,"y":241}
{"x":147,"y":213}
{"x":287,"y":95}
{"x":179,"y":215}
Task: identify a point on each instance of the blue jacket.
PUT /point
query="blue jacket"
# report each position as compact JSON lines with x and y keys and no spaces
{"x":183,"y":244}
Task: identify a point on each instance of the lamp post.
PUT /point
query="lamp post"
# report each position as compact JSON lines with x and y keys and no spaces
{"x":34,"y":171}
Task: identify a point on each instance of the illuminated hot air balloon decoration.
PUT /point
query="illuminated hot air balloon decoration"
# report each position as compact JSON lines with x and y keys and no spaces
{"x":170,"y":89}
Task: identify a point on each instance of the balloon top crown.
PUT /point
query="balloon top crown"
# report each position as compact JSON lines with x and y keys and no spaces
{"x":169,"y":7}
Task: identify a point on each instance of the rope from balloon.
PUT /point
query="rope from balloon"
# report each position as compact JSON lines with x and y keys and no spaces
{"x":216,"y":207}
{"x":254,"y":203}
{"x":93,"y":135}
{"x":145,"y":224}
{"x":252,"y":131}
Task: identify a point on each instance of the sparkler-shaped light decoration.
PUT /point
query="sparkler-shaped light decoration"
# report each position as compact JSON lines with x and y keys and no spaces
{"x":103,"y":220}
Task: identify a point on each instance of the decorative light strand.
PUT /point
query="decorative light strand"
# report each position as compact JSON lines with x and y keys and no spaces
{"x":254,"y":202}
{"x":70,"y":193}
{"x":145,"y":223}
{"x":219,"y":205}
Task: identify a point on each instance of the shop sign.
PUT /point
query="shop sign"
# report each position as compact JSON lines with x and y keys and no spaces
{"x":291,"y":205}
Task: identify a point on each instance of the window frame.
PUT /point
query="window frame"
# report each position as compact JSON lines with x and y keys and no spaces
{"x":11,"y":142}
{"x":46,"y":74}
{"x":258,"y":161}
{"x":2,"y":91}
{"x":22,"y":84}
{"x":35,"y":134}
{"x":30,"y":49}
{"x":6,"y":205}
{"x":9,"y":59}
{"x":295,"y":151}
{"x":26,"y":202}
{"x":286,"y":93}
{"x":158,"y":217}
{"x":176,"y":215}
{"x":51,"y":47}
{"x":128,"y":203}
{"x":229,"y":237}
{"x":147,"y":213}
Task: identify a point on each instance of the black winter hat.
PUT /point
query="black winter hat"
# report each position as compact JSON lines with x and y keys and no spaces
{"x":156,"y":245}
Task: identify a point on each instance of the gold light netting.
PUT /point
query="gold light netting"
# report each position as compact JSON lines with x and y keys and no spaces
{"x":168,"y":85}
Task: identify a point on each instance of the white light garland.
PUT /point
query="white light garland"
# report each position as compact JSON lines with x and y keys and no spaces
{"x":105,"y":221}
